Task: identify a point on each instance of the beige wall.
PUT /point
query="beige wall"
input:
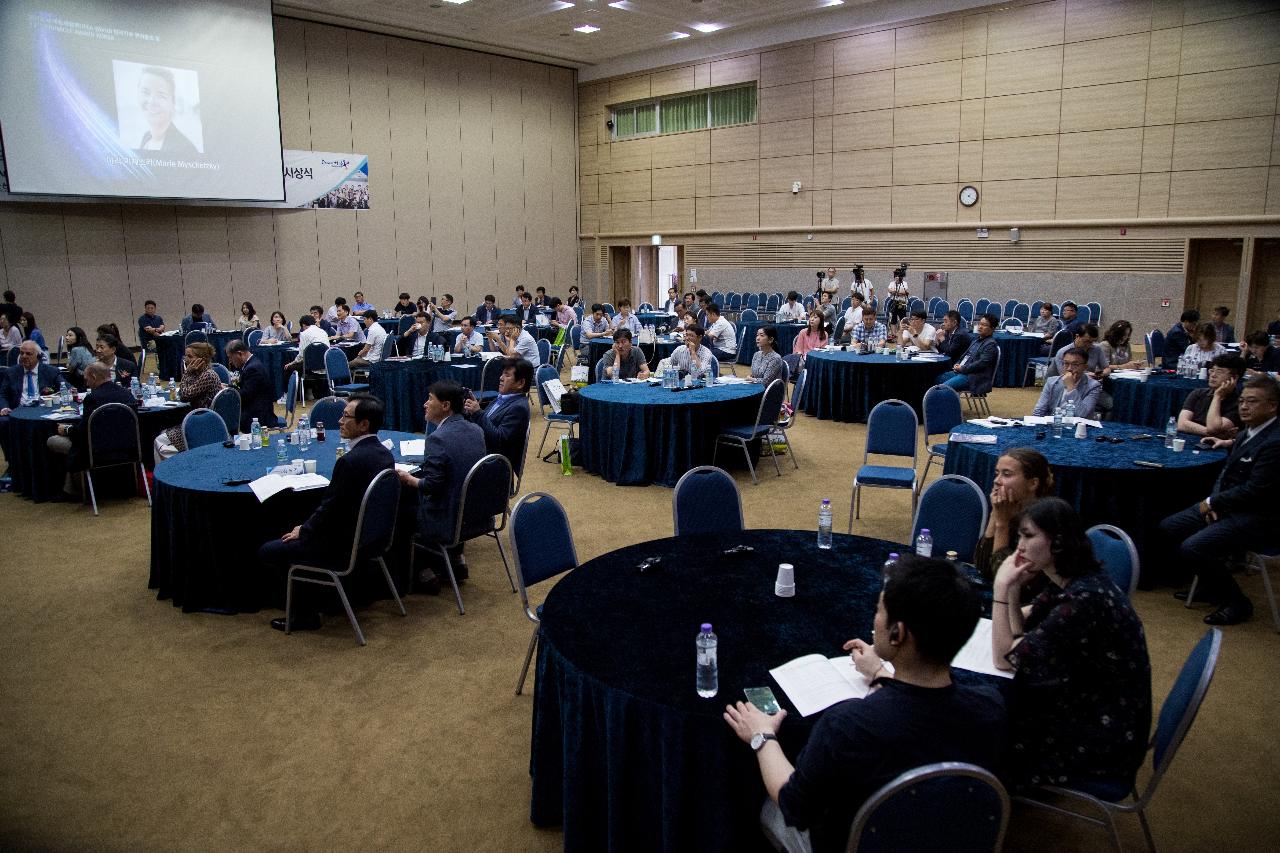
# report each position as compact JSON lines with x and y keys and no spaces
{"x":472,"y":178}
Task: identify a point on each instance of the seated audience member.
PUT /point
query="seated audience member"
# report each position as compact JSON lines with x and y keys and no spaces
{"x":918,"y":715}
{"x":413,"y":343}
{"x":1224,"y":331}
{"x":1086,"y":338}
{"x":31,"y":332}
{"x":690,"y":300}
{"x":326,"y":537}
{"x":1115,"y":347}
{"x":405,"y":306}
{"x":596,"y":324}
{"x":317,"y":314}
{"x":950,"y":339}
{"x":374,"y":338}
{"x":150,"y":325}
{"x":692,"y":358}
{"x":79,"y":355}
{"x":1215,"y":411}
{"x":1179,"y":336}
{"x":332,"y":313}
{"x":73,"y":439}
{"x":720,"y":335}
{"x":487,"y":314}
{"x":519,"y":298}
{"x":442,"y":317}
{"x":1073,"y":385}
{"x":814,"y":336}
{"x":278,"y":332}
{"x":198,"y":319}
{"x":562,"y":316}
{"x":505,"y":421}
{"x":790,"y":311}
{"x":1045,"y":324}
{"x":1205,"y":348}
{"x":451,"y":451}
{"x":257,"y":389}
{"x":525,"y":312}
{"x":626,"y":319}
{"x":828,"y":310}
{"x":673,"y":300}
{"x":23,"y":384}
{"x":1260,"y":355}
{"x":248,"y":318}
{"x":1080,"y":720}
{"x":623,"y":360}
{"x":361,"y":305}
{"x":1240,"y":511}
{"x":540,"y":299}
{"x":513,"y":341}
{"x":870,"y":332}
{"x":10,"y":334}
{"x":574,"y":297}
{"x":918,"y":332}
{"x":310,"y":333}
{"x":1022,"y":476}
{"x":853,"y":314}
{"x":424,"y":305}
{"x":766,"y":364}
{"x":469,"y":341}
{"x":346,"y":328}
{"x":1071,"y":319}
{"x":975,"y":372}
{"x":198,"y":386}
{"x":116,"y":356}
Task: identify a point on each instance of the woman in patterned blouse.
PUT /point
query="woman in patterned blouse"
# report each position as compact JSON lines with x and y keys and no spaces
{"x":1080,"y":706}
{"x":198,"y":386}
{"x":766,"y":364}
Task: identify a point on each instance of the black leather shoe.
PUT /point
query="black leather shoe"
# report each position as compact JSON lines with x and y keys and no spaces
{"x":303,"y":622}
{"x":1231,"y":614}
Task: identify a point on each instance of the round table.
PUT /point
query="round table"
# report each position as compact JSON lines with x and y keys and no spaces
{"x":625,"y":755}
{"x":1100,"y":480}
{"x":655,"y":318}
{"x":219,"y":340}
{"x":1153,"y":402}
{"x":402,"y":386}
{"x":662,"y":348}
{"x":205,"y":534}
{"x":1015,"y":352}
{"x":276,"y":356}
{"x":169,"y":356}
{"x":843,"y":386}
{"x":786,"y":337}
{"x":634,"y":434}
{"x":39,"y":474}
{"x":539,"y":333}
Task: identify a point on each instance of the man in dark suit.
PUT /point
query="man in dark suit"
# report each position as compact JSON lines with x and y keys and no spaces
{"x":1179,"y":337}
{"x":414,"y":341}
{"x":325,"y":538}
{"x":950,"y":340}
{"x":25,"y":381}
{"x":975,"y":372}
{"x":115,"y":355}
{"x":1241,"y":512}
{"x":451,"y":451}
{"x":487,"y":314}
{"x":73,"y":439}
{"x":525,"y":312}
{"x":506,"y":421}
{"x":257,"y":391}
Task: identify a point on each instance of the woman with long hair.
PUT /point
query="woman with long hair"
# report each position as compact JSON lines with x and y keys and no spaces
{"x":79,"y":355}
{"x":1022,"y":476}
{"x":766,"y":364}
{"x":278,"y":331}
{"x":248,"y":318}
{"x":198,"y":386}
{"x":1115,"y":344}
{"x":31,"y":332}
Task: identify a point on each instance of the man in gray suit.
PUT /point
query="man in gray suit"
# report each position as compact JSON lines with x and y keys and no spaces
{"x":451,"y":451}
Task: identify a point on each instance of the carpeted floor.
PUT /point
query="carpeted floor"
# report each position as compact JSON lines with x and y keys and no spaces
{"x":128,"y":725}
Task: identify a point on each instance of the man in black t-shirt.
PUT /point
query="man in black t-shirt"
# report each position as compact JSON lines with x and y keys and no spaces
{"x":1214,"y":411}
{"x":916,"y":716}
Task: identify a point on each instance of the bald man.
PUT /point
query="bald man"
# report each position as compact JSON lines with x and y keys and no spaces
{"x":72,"y":439}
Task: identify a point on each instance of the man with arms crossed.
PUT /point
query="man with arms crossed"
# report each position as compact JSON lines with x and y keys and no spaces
{"x":624,"y":361}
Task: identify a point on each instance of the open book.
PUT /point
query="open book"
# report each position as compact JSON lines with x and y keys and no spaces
{"x":271,"y":484}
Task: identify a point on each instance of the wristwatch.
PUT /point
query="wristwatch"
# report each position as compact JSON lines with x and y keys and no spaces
{"x":758,"y":739}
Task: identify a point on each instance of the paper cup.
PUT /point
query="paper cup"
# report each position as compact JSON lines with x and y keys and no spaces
{"x":785,"y":585}
{"x":1179,"y":444}
{"x":1082,"y":430}
{"x":309,"y":465}
{"x":1204,"y":373}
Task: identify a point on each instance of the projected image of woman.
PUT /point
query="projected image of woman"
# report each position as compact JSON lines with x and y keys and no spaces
{"x":156,"y":100}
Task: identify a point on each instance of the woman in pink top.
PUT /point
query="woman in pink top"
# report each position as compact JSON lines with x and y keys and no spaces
{"x":812,"y":337}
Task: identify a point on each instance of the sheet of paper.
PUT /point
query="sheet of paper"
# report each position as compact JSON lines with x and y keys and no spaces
{"x":555,"y":390}
{"x":406,"y":467}
{"x":1027,"y":334}
{"x":987,"y":422}
{"x":1037,"y":420}
{"x":732,"y":380}
{"x":60,"y":416}
{"x":970,"y":438}
{"x":1073,"y":421}
{"x":466,"y":366}
{"x":413,"y":447}
{"x":387,"y":443}
{"x":975,"y":654}
{"x":814,"y":682}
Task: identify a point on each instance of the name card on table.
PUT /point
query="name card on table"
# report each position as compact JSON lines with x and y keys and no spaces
{"x":413,"y":447}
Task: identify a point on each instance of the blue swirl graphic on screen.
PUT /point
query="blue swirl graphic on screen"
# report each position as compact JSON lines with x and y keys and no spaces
{"x":90,"y":132}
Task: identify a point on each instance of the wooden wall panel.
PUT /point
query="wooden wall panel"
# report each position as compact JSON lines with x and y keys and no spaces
{"x":672,"y":82}
{"x":735,"y":143}
{"x":1104,"y":107}
{"x":854,"y":131}
{"x":932,"y":42}
{"x":926,"y":164}
{"x":786,"y":138}
{"x":1020,"y":157}
{"x":784,"y":209}
{"x":151,"y":247}
{"x":1218,"y":192}
{"x":1101,"y":152}
{"x":782,"y":103}
{"x":1096,"y":19}
{"x":778,"y":173}
{"x":1021,"y":71}
{"x":870,"y":52}
{"x":1254,"y":40}
{"x":538,"y":162}
{"x":925,"y":203}
{"x":251,"y":252}
{"x":1236,"y":93}
{"x":741,"y":69}
{"x":1024,"y":115}
{"x":564,"y":174}
{"x":1109,"y":60}
{"x":1026,"y":27}
{"x":789,"y":65}
{"x":927,"y":124}
{"x":406,"y":91}
{"x":856,"y":206}
{"x":35,"y":256}
{"x":859,"y":92}
{"x":1105,"y":197}
{"x":872,"y":168}
{"x":508,"y":177}
{"x":367,"y":58}
{"x":1029,"y":199}
{"x":206,"y":264}
{"x":1222,"y":144}
{"x":927,"y":84}
{"x":444,"y":165}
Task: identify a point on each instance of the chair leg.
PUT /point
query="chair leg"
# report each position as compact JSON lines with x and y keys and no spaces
{"x":346,"y":605}
{"x":927,"y":462}
{"x":453,"y":579}
{"x":544,"y":438}
{"x":503,"y":554}
{"x":528,"y":656}
{"x":790,"y":450}
{"x":88,"y":475}
{"x":1259,"y":562}
{"x":1146,"y":829}
{"x":772,"y":453}
{"x":288,"y":602}
{"x":852,"y":498}
{"x":146,"y":485}
{"x":1191,"y":592}
{"x":746,"y":451}
{"x":386,"y":573}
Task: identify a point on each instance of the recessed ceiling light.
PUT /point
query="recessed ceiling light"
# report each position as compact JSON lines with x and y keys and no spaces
{"x":560,"y":5}
{"x":620,"y":4}
{"x":678,"y":35}
{"x":833,"y":2}
{"x":708,"y":28}
{"x":457,"y":2}
{"x":586,"y":28}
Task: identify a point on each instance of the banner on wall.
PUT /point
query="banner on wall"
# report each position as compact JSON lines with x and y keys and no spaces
{"x":326,"y":179}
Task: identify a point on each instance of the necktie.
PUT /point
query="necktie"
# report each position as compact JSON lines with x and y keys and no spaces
{"x":31,"y":384}
{"x":493,"y":410}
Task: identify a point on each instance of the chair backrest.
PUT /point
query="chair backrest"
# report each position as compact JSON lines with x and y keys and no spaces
{"x":952,"y":806}
{"x":376,"y":519}
{"x":389,"y":346}
{"x":994,"y":308}
{"x":1155,"y":345}
{"x":1086,"y":316}
{"x":942,"y":410}
{"x":1035,"y":308}
{"x":541,"y":542}
{"x":941,"y":308}
{"x":223,"y":374}
{"x":227,"y":404}
{"x":313,"y":357}
{"x":1117,"y":554}
{"x":327,"y":411}
{"x":253,"y":337}
{"x":609,"y":309}
{"x":838,"y":333}
{"x":291,"y":397}
{"x":485,"y":495}
{"x":845,"y":303}
{"x":1183,"y":702}
{"x":706,"y":501}
{"x":1064,"y":338}
{"x":748,"y":315}
{"x":336,"y":365}
{"x":1022,"y":311}
{"x":797,"y":391}
{"x":645,"y":306}
{"x":715,"y":367}
{"x":771,"y":404}
{"x":491,"y":375}
{"x":575,"y":335}
{"x":933,"y":303}
{"x":195,"y":335}
{"x":1095,"y":312}
{"x":113,"y":436}
{"x":1009,"y":306}
{"x":763,"y":297}
{"x":11,"y":357}
{"x":203,"y":426}
{"x":891,"y":430}
{"x":545,"y":373}
{"x":750,"y":300}
{"x":981,"y":307}
{"x":965,"y":307}
{"x":954,"y":510}
{"x":598,"y":370}
{"x":773,"y":303}
{"x":406,"y":323}
{"x":544,"y":351}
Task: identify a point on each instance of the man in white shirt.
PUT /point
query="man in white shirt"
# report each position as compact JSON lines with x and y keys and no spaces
{"x":374,"y":338}
{"x":720,"y":336}
{"x":311,"y":334}
{"x":625,"y":319}
{"x":514,"y":342}
{"x":791,"y":311}
{"x":853,"y":314}
{"x":469,"y":341}
{"x":332,"y":314}
{"x":917,"y":332}
{"x":442,"y":316}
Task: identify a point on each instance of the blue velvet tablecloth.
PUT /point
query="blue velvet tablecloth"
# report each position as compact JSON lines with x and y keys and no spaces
{"x":390,"y":325}
{"x":540,"y":332}
{"x":636,"y":434}
{"x":276,"y":356}
{"x":625,"y":755}
{"x":205,"y":534}
{"x":169,"y":356}
{"x":1153,"y":402}
{"x":597,"y":347}
{"x":1100,"y":480}
{"x":402,"y":386}
{"x":219,"y":340}
{"x":786,"y":337}
{"x":655,"y":318}
{"x":1015,"y":350}
{"x":841,"y":386}
{"x":39,"y":474}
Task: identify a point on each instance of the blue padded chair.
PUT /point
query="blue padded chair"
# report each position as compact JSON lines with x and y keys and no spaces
{"x":717,"y":297}
{"x":609,"y":309}
{"x":954,"y":510}
{"x":490,"y":375}
{"x":891,"y":431}
{"x":772,"y":304}
{"x":994,"y":308}
{"x":1117,"y":554}
{"x":553,"y":418}
{"x":786,"y":422}
{"x":11,"y":357}
{"x":1035,"y":308}
{"x":715,"y":367}
{"x":1176,"y":716}
{"x":374,"y":533}
{"x":482,"y":511}
{"x":981,"y":307}
{"x":965,"y":307}
{"x":327,"y":411}
{"x":313,"y":366}
{"x":645,"y":306}
{"x":940,"y":309}
{"x":1095,"y":312}
{"x":1155,"y":346}
{"x":742,"y":435}
{"x":967,"y":811}
{"x":762,"y":298}
{"x":580,"y":310}
{"x":195,"y":336}
{"x":706,"y":502}
{"x":253,"y":337}
{"x":227,"y":404}
{"x":1062,"y":339}
{"x":1012,"y":325}
{"x":1022,"y":311}
{"x":838,"y":333}
{"x":598,"y":370}
{"x":113,"y":440}
{"x":748,"y":315}
{"x":389,"y":346}
{"x":338,"y":369}
{"x":933,"y":302}
{"x":224,"y":375}
{"x":942,"y":414}
{"x":751,"y":300}
{"x":204,"y":426}
{"x":544,"y":351}
{"x":845,"y":303}
{"x":405,"y":324}
{"x":575,"y":335}
{"x":1009,"y":306}
{"x":978,"y":402}
{"x":1254,"y":561}
{"x":542,"y":548}
{"x":291,"y":399}
{"x":809,"y":304}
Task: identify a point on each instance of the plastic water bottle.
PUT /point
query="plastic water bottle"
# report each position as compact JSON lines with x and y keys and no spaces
{"x":256,"y":431}
{"x":135,"y":387}
{"x":64,"y":395}
{"x":1170,"y":432}
{"x":888,"y":564}
{"x":1057,"y":422}
{"x":282,"y":452}
{"x":924,"y":543}
{"x":1069,"y":410}
{"x":708,"y":669}
{"x":824,"y":525}
{"x":304,"y":433}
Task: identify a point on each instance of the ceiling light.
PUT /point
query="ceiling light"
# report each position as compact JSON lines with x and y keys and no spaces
{"x":833,"y":2}
{"x":708,"y":28}
{"x":678,"y":35}
{"x":560,"y":5}
{"x":620,"y":4}
{"x":586,"y":28}
{"x":457,"y":2}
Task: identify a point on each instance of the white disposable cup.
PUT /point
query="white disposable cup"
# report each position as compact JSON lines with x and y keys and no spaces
{"x":1179,"y":444}
{"x":1082,"y":430}
{"x":1204,"y":373}
{"x":309,"y":465}
{"x":785,"y":585}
